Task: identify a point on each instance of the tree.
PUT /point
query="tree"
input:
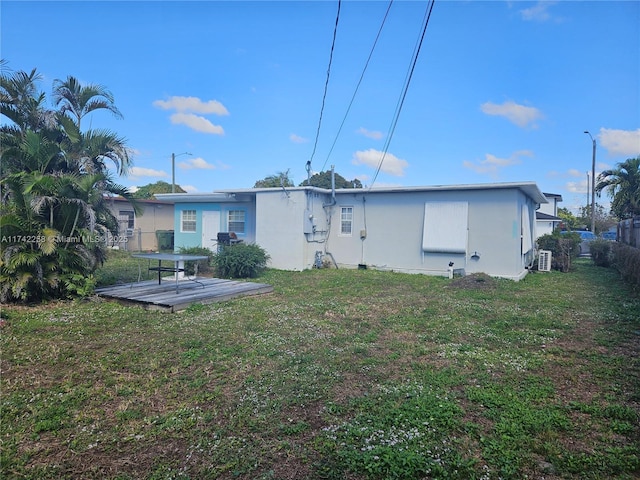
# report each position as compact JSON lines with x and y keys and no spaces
{"x":280,"y":179}
{"x":623,"y":186}
{"x":150,"y":190}
{"x":569,"y":220}
{"x":603,"y":220}
{"x":78,"y":100}
{"x":54,"y":182}
{"x":323,"y":180}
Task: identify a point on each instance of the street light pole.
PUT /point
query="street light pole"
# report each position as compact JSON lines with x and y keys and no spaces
{"x":173,"y":170}
{"x":593,"y":183}
{"x":587,"y":191}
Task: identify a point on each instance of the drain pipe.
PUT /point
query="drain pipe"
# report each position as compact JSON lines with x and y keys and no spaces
{"x":331,"y":204}
{"x":333,"y":188}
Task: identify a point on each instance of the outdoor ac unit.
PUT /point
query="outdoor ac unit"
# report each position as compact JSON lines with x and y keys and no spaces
{"x":544,"y":261}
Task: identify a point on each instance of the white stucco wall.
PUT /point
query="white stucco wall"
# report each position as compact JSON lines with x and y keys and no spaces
{"x":394,"y":229}
{"x":279,"y":228}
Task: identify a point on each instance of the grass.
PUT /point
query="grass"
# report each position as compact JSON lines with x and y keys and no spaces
{"x":336,"y":375}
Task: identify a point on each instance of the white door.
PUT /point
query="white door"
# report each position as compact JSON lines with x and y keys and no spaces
{"x":210,"y":228}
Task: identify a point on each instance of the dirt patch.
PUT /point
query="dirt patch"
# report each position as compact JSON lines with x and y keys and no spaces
{"x":475,"y":281}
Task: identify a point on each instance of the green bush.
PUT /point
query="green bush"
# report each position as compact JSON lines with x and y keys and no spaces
{"x":204,"y":266}
{"x":626,"y":260}
{"x":240,"y":261}
{"x":601,"y":252}
{"x":563,"y":247}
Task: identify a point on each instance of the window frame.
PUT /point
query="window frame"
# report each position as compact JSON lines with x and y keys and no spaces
{"x":128,"y":216}
{"x":346,"y":221}
{"x":236,"y":222}
{"x":184,"y":220}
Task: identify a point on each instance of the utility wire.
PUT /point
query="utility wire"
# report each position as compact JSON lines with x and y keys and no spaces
{"x":404,"y":92}
{"x":366,"y":65}
{"x":326,"y":86}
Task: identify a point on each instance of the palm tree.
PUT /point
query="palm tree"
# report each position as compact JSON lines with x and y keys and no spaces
{"x":79,"y":100}
{"x":623,"y":185}
{"x":53,"y":211}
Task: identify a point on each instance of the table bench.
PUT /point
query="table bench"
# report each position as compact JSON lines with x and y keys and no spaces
{"x":177,"y":268}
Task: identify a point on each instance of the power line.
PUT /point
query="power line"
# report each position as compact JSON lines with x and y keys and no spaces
{"x":326,"y":85}
{"x":404,"y":91}
{"x":366,"y":65}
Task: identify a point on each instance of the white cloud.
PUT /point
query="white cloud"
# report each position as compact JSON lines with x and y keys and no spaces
{"x":196,"y":164}
{"x":297,"y":139}
{"x":521,"y":115}
{"x":370,"y":133}
{"x":189,"y":188}
{"x":146,"y":172}
{"x":391,"y":164}
{"x":192,"y":104}
{"x":620,"y":142}
{"x":197,"y":123}
{"x":539,"y":12}
{"x":492,"y":164}
{"x":577,"y":187}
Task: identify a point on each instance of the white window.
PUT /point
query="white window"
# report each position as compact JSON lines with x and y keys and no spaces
{"x":236,"y":221}
{"x":126,"y":218}
{"x":188,"y":221}
{"x":346,"y":220}
{"x":445,"y":227}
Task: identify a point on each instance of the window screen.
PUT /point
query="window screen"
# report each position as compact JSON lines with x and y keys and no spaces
{"x":445,"y":227}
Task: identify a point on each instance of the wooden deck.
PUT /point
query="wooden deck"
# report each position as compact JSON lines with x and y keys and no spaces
{"x":164,"y":297}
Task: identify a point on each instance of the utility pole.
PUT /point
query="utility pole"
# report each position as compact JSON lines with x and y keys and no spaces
{"x":173,"y":169}
{"x":587,"y":193}
{"x":593,"y":183}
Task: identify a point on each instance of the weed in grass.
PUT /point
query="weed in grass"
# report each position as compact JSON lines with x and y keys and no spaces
{"x":332,"y":370}
{"x":399,"y":431}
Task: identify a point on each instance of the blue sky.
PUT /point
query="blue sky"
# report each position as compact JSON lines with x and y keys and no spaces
{"x":500,"y":92}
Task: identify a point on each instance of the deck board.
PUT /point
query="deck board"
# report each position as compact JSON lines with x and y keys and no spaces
{"x":164,"y":297}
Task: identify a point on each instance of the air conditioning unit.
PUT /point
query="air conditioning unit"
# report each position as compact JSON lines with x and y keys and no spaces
{"x":544,"y":261}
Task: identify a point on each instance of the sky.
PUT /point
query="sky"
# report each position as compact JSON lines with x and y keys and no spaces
{"x":500,"y":91}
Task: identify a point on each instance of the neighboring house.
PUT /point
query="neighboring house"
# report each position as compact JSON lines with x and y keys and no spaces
{"x":138,"y":232}
{"x":547,"y":216}
{"x":486,"y":228}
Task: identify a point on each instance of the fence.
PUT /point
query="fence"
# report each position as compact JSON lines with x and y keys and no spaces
{"x":137,"y":240}
{"x":629,"y":231}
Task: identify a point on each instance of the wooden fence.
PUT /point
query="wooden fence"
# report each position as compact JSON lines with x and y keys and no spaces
{"x":629,"y":231}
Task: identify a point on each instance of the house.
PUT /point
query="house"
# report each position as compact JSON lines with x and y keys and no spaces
{"x":547,"y":219}
{"x":139,"y":231}
{"x":486,"y":228}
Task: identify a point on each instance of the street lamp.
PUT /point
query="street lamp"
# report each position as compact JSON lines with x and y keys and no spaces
{"x":587,"y":191}
{"x":593,"y":183}
{"x":173,"y":169}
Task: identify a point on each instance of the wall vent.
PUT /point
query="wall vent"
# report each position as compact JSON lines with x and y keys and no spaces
{"x":544,"y":261}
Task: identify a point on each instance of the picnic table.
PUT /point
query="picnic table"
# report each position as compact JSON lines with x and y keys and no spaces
{"x":178,"y":260}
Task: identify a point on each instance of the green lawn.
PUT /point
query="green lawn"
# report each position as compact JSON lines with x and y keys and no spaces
{"x":336,"y":375}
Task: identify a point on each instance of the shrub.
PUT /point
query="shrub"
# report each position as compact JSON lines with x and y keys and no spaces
{"x":601,"y":252}
{"x":626,"y":260}
{"x":563,"y":247}
{"x":204,"y":266}
{"x":240,"y":261}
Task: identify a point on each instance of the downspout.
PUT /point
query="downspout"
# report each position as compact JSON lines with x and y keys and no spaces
{"x":333,"y":188}
{"x":328,"y":205}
